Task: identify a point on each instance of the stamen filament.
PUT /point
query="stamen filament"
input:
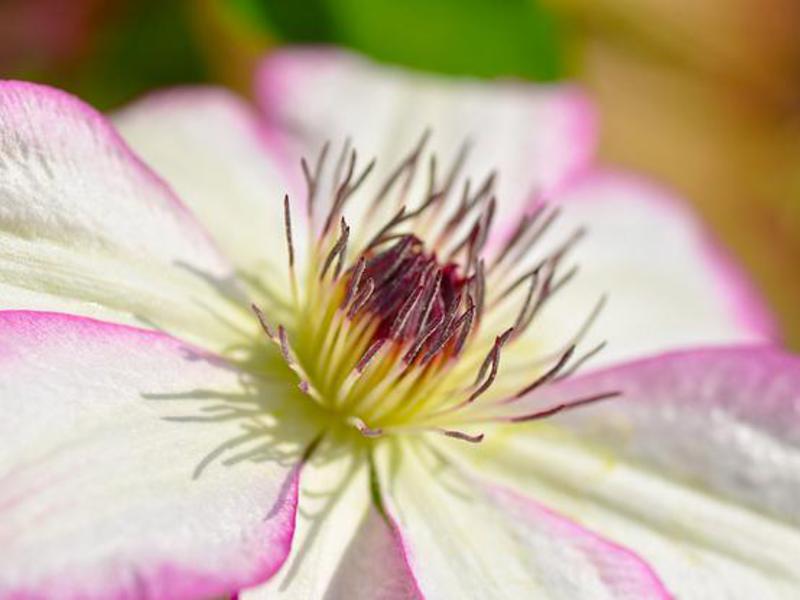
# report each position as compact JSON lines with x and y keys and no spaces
{"x":383,"y":333}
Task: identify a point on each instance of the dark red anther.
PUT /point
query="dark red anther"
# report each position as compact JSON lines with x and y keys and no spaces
{"x":416,"y":301}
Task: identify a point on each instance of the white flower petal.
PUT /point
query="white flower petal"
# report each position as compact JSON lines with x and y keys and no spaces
{"x":668,"y":283}
{"x":696,"y":467}
{"x":538,"y":136}
{"x":227,"y":165}
{"x":466,"y":539}
{"x":86,"y":227}
{"x":334,"y":498}
{"x":117,"y":479}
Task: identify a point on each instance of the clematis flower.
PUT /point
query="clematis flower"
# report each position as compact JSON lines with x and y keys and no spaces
{"x":366,"y":388}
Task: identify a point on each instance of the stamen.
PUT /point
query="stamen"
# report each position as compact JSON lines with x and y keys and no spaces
{"x":525,"y":223}
{"x":478,"y":283}
{"x":520,"y":242}
{"x":548,"y":375}
{"x":371,"y":351}
{"x":582,"y":360}
{"x":423,"y":338}
{"x":363,"y":297}
{"x":460,"y":435}
{"x":392,"y":334}
{"x":549,"y":412}
{"x":346,"y":189}
{"x":262,"y":319}
{"x":355,"y":281}
{"x":285,"y":350}
{"x":365,"y":430}
{"x":458,"y":164}
{"x":391,"y":224}
{"x":405,"y":312}
{"x":466,"y":206}
{"x":433,"y":296}
{"x":522,"y":318}
{"x":493,"y":359}
{"x":312,"y":181}
{"x":337,"y":172}
{"x":408,"y":165}
{"x":337,"y":252}
{"x":447,"y":331}
{"x":287,"y":223}
{"x":464,"y":324}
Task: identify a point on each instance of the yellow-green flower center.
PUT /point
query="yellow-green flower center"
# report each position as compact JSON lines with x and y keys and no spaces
{"x":398,"y":331}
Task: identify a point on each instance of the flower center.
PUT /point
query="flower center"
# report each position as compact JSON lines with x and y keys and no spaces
{"x":388,"y":337}
{"x":412,"y":299}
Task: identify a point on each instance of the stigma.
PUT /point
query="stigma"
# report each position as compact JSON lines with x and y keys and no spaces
{"x":397,"y":321}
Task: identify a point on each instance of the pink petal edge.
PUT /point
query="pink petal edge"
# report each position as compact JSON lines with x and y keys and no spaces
{"x":289,"y":67}
{"x":375,"y":564}
{"x":765,"y":377}
{"x":620,"y":568}
{"x":277,"y":73}
{"x":177,"y":582}
{"x":745,"y":300}
{"x":167,"y":580}
{"x":70,"y":103}
{"x":402,"y":548}
{"x":725,"y":418}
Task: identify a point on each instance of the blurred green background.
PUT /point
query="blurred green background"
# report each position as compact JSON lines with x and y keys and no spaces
{"x":703,"y":94}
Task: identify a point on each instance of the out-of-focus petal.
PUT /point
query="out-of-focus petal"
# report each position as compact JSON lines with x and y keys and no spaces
{"x":124,"y":472}
{"x":696,"y":466}
{"x":538,"y":136}
{"x":87,"y":228}
{"x":225,"y":163}
{"x":668,"y":284}
{"x":467,"y":539}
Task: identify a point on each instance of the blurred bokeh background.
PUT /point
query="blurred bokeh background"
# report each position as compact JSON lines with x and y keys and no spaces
{"x":703,"y":94}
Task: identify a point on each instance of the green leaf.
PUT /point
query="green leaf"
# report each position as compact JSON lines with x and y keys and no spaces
{"x":470,"y":37}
